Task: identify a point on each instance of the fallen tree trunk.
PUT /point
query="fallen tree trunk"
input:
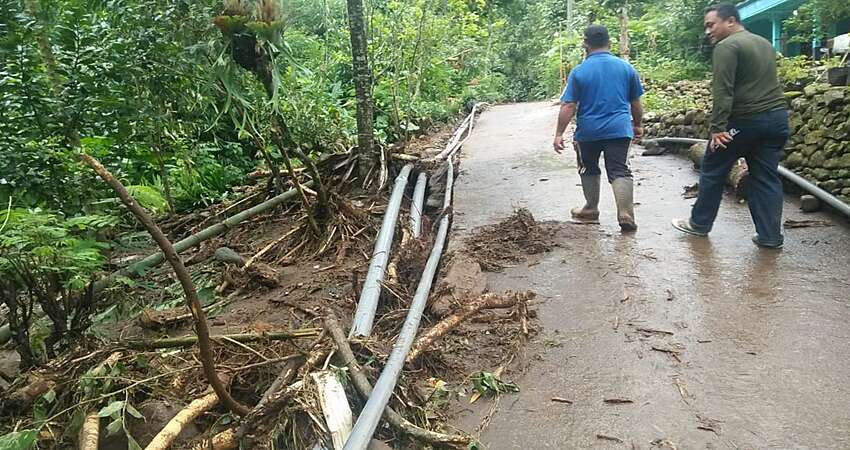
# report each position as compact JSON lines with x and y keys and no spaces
{"x":361,"y":383}
{"x":486,"y":301}
{"x":185,"y":341}
{"x":738,"y":176}
{"x":175,"y":426}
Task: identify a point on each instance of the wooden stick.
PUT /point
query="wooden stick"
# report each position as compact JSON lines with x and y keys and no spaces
{"x":192,"y":300}
{"x":185,"y":341}
{"x":486,"y":301}
{"x":166,"y":436}
{"x":90,"y":433}
{"x":361,"y":383}
{"x":274,"y":243}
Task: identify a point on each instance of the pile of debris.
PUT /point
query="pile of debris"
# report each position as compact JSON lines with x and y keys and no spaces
{"x":279,"y":368}
{"x":495,"y":247}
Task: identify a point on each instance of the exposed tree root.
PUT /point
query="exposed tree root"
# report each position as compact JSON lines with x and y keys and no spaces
{"x":166,"y":436}
{"x":486,"y":301}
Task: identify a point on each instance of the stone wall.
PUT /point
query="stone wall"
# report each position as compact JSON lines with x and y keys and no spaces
{"x":692,"y":122}
{"x":819,"y":147}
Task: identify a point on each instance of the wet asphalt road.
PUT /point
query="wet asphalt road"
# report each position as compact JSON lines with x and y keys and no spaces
{"x":716,"y":343}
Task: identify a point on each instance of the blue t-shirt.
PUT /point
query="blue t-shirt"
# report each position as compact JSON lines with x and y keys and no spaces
{"x":603,"y":86}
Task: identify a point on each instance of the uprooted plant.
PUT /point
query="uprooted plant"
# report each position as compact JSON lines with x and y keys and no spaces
{"x":48,"y":262}
{"x":252,"y":34}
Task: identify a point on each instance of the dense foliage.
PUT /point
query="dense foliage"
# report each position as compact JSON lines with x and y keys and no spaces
{"x":145,"y":87}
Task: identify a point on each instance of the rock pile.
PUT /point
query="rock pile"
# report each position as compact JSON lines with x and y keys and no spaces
{"x":684,"y":123}
{"x":819,"y":148}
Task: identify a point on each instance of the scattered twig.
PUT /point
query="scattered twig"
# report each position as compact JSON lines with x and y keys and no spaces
{"x":562,"y":400}
{"x":653,"y":331}
{"x":288,"y":373}
{"x":791,"y":223}
{"x":618,"y":401}
{"x":609,"y":438}
{"x":271,"y":245}
{"x":673,"y":353}
{"x":683,"y":391}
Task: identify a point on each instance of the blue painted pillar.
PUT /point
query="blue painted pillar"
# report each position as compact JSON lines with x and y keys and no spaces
{"x":776,"y":32}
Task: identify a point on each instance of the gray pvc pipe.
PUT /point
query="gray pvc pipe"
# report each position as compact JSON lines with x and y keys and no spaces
{"x":821,"y":194}
{"x":676,"y":140}
{"x":371,"y":414}
{"x":364,"y":316}
{"x":417,"y":204}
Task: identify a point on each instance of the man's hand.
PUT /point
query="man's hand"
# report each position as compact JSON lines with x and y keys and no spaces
{"x":558,"y":144}
{"x":638,"y":130}
{"x":719,"y":140}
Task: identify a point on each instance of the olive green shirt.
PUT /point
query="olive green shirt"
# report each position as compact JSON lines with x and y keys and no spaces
{"x":744,"y":83}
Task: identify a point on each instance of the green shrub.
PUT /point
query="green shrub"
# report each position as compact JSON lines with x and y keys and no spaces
{"x":49,"y":261}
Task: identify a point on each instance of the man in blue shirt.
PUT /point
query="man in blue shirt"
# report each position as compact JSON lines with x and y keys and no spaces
{"x":605,"y":91}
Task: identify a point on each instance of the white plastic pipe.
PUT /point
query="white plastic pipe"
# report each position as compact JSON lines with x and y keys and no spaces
{"x":803,"y":183}
{"x":364,"y":316}
{"x":371,"y":414}
{"x":417,"y":204}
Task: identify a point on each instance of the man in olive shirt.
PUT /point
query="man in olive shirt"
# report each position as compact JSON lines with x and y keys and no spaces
{"x":749,"y":120}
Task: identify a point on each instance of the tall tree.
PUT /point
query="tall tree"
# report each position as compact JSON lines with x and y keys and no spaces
{"x":623,"y":15}
{"x":362,"y":82}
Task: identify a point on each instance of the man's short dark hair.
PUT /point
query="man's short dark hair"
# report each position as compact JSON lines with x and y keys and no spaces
{"x":596,"y":36}
{"x":725,"y":11}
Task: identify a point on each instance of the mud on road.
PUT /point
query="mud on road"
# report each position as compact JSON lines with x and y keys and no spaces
{"x":656,"y":340}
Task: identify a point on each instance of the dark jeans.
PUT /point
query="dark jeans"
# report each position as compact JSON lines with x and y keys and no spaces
{"x":760,"y":141}
{"x":616,"y":153}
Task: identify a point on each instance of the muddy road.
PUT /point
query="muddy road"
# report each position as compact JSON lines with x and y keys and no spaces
{"x":693,"y":342}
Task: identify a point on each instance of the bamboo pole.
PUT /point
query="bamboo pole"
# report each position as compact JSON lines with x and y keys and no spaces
{"x":185,"y":341}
